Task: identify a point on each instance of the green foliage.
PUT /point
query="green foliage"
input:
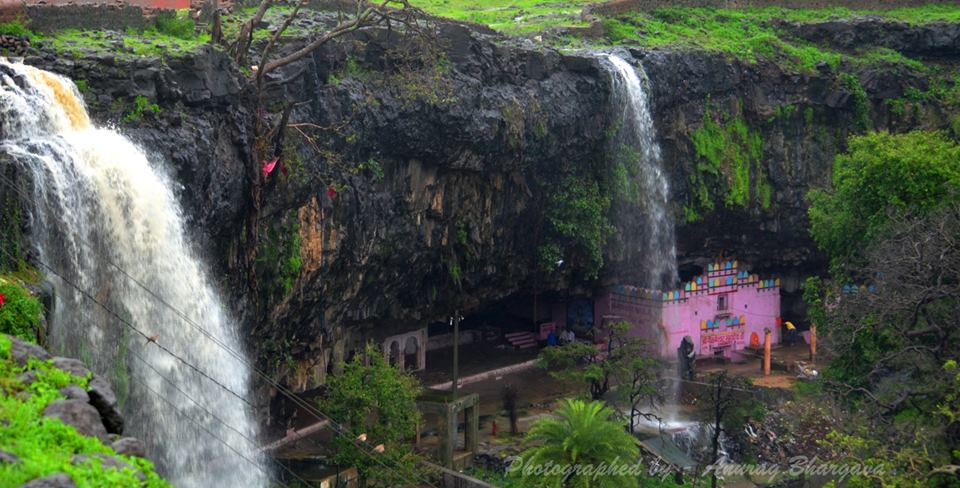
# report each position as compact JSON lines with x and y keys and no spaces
{"x":861,"y":105}
{"x":371,"y":166}
{"x":729,"y":163}
{"x":278,"y":259}
{"x":378,"y":400}
{"x":21,"y":311}
{"x":151,"y":42}
{"x":141,"y":106}
{"x":510,"y":16}
{"x":627,"y":363}
{"x":881,"y":172}
{"x":583,"y":434}
{"x":81,"y":85}
{"x":15,"y":28}
{"x":578,"y":226}
{"x":175,"y":24}
{"x":46,"y":445}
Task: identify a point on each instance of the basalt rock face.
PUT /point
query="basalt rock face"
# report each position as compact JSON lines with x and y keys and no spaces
{"x":416,"y":188}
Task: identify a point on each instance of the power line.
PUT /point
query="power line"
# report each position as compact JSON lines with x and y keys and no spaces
{"x":195,"y":402}
{"x":313,"y":411}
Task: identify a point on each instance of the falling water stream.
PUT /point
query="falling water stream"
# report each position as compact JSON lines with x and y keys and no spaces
{"x":637,"y":132}
{"x":105,"y":220}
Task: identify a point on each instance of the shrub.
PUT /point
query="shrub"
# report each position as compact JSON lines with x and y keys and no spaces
{"x":176,"y":25}
{"x":19,"y":311}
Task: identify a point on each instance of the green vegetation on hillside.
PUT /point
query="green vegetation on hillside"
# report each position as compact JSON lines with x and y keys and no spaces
{"x":882,"y":174}
{"x":169,"y":35}
{"x":889,"y":225}
{"x":729,"y":166}
{"x":509,"y":16}
{"x":47,"y":446}
{"x":20,"y":311}
{"x":754,"y":34}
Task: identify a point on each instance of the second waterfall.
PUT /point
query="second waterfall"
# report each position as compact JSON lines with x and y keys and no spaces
{"x":133,"y":300}
{"x":636,"y":131}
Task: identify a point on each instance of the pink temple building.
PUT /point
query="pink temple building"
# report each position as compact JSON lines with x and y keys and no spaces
{"x":724,"y":310}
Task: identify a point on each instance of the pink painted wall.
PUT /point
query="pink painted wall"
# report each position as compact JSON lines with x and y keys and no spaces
{"x":752,"y":305}
{"x":664,"y":318}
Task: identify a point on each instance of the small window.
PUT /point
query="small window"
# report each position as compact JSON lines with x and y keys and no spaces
{"x":722,"y":302}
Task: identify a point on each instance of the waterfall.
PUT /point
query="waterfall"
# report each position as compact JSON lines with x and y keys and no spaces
{"x":106,"y":220}
{"x":658,"y":249}
{"x":637,"y":133}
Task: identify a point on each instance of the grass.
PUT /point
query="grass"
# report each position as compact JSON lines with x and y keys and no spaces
{"x":46,"y":445}
{"x":749,"y":34}
{"x":170,"y":35}
{"x":509,"y":16}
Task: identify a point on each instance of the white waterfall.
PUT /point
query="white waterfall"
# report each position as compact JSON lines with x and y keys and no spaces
{"x":638,"y":133}
{"x":107,"y":221}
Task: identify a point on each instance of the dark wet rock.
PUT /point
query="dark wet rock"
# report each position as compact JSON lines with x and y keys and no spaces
{"x":22,"y":351}
{"x":8,"y":458}
{"x":74,"y":392}
{"x":130,"y":446}
{"x":27,"y":377}
{"x":105,"y":401}
{"x":53,"y":481}
{"x":463,"y":167}
{"x":72,"y":366}
{"x":81,"y":415}
{"x":108,"y":462}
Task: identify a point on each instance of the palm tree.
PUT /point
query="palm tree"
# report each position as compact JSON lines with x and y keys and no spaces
{"x":584,"y":435}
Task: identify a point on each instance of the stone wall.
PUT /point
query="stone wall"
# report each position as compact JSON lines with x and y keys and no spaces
{"x":52,"y":15}
{"x":117,"y":17}
{"x":615,"y":7}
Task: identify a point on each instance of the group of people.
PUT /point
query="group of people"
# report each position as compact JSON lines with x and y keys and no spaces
{"x":565,"y":337}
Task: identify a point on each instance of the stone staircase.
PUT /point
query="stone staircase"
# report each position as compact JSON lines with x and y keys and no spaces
{"x":522,"y":340}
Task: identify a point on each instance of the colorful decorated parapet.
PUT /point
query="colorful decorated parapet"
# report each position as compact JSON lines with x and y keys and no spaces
{"x":720,"y":310}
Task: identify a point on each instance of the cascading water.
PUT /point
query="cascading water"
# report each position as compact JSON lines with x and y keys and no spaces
{"x":108,"y":222}
{"x":637,"y":132}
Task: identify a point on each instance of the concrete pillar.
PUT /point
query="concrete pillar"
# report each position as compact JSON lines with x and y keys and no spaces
{"x":471,"y":434}
{"x":449,"y":441}
{"x":766,"y":351}
{"x":813,"y":342}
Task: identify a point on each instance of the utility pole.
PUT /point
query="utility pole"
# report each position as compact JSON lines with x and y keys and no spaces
{"x":456,"y":351}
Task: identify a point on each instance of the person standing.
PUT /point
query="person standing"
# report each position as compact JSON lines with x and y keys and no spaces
{"x":791,"y":333}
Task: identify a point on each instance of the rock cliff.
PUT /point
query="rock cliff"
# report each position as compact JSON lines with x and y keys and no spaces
{"x":417,"y":185}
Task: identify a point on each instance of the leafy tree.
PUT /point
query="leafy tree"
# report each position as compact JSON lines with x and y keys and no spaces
{"x":578,"y":226}
{"x":730,"y":404}
{"x":892,"y":351}
{"x":584,"y":435}
{"x":374,"y":398}
{"x":881,"y":175}
{"x":625,"y":361}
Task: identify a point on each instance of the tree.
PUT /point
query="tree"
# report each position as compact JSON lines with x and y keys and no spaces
{"x":730,"y":405}
{"x":626,"y":362}
{"x":374,"y":398}
{"x":881,"y":175}
{"x":583,"y":435}
{"x":365,"y":14}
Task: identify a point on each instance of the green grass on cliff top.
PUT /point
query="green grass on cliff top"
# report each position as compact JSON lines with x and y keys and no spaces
{"x":754,"y":34}
{"x":509,"y":16}
{"x":749,"y":34}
